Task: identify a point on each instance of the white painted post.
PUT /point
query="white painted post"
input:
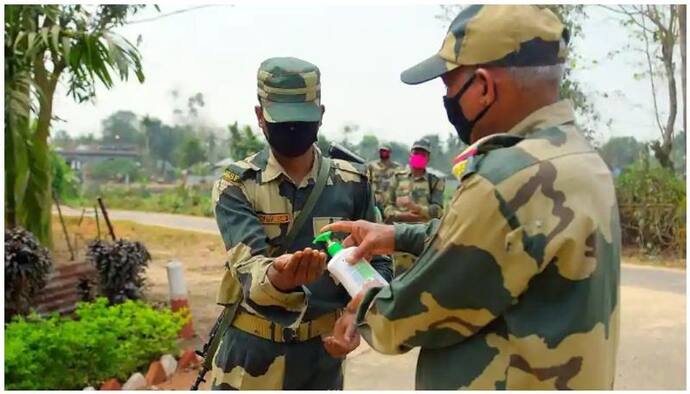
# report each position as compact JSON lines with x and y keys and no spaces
{"x":178,"y":294}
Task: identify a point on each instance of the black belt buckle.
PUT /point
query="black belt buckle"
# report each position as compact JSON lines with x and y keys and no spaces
{"x":289,"y":335}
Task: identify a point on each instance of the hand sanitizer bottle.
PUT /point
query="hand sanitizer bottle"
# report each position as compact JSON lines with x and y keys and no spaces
{"x":352,"y":276}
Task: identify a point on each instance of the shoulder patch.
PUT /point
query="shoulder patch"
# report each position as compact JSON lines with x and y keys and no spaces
{"x":466,"y":162}
{"x":229,"y":176}
{"x":347,"y":166}
{"x":237,"y":172}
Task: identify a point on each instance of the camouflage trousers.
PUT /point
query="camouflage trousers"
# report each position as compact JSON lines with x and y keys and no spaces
{"x":245,"y":362}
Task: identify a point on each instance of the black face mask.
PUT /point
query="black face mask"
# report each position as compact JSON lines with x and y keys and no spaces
{"x":291,"y":139}
{"x":455,"y":115}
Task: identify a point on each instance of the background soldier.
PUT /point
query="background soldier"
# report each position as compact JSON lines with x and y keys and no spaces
{"x":415,"y":195}
{"x":517,"y":287}
{"x":381,"y":173}
{"x":285,"y":303}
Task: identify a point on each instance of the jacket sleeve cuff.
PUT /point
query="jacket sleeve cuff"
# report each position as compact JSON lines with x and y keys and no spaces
{"x":410,"y":238}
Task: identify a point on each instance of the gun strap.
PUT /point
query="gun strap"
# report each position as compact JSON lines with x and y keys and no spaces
{"x":309,"y":205}
{"x":231,"y":310}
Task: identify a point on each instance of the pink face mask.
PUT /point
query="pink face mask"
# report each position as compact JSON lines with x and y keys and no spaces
{"x":419,"y":161}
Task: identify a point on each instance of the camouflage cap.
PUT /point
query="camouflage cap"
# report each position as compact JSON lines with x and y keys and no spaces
{"x":498,"y":35}
{"x":385,"y":147}
{"x":422,"y":144}
{"x":289,"y":90}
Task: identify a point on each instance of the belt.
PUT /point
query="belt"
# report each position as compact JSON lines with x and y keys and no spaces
{"x":272,"y":331}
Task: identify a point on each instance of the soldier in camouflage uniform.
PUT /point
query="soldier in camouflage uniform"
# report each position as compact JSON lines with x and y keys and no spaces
{"x":415,"y":195}
{"x":274,"y":341}
{"x":381,"y":173}
{"x":517,"y":286}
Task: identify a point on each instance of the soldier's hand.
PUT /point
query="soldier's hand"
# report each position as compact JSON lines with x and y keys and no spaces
{"x":345,"y":337}
{"x":370,"y":238}
{"x":295,"y":269}
{"x":408,"y":217}
{"x":414,"y":208}
{"x":403,"y":202}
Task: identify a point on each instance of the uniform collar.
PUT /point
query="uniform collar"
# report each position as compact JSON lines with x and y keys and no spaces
{"x":411,"y":175}
{"x":274,"y":169}
{"x":551,"y":115}
{"x":383,"y":164}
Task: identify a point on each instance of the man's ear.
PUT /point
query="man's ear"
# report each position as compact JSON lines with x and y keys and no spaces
{"x":260,"y":116}
{"x":323,"y":111}
{"x":488,"y":81}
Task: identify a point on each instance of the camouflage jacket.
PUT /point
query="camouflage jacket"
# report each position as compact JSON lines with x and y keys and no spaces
{"x":426,"y":191}
{"x":517,"y":286}
{"x":380,"y":175}
{"x":254,"y":204}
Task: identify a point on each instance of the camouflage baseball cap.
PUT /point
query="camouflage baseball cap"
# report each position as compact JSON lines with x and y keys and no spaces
{"x":385,"y":147}
{"x":422,"y":144}
{"x":289,"y":90}
{"x":496,"y":35}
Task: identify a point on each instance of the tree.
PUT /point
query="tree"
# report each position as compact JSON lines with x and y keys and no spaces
{"x":44,"y":43}
{"x":211,"y":146}
{"x":123,"y":127}
{"x":115,"y":169}
{"x":190,"y":152}
{"x":348,"y":131}
{"x":572,"y":17}
{"x":161,"y":139}
{"x":323,"y":143}
{"x":683,"y":34}
{"x":658,"y":32}
{"x":62,"y":139}
{"x":193,"y":104}
{"x":399,"y":152}
{"x":621,"y":152}
{"x":368,"y":147}
{"x":678,"y":154}
{"x":63,"y":180}
{"x":243,"y":142}
{"x":87,"y":139}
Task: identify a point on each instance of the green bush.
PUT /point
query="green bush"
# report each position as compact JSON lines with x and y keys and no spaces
{"x":115,"y":169}
{"x":102,"y":342}
{"x":27,"y":266}
{"x":652,"y":204}
{"x":64,"y":182}
{"x":121,"y":268}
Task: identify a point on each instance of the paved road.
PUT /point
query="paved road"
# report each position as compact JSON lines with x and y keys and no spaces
{"x":653,"y":318}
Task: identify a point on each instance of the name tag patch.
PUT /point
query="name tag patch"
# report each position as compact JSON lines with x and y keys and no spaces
{"x":274,"y":218}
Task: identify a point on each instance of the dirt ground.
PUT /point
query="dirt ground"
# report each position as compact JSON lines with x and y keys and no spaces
{"x":651,"y":355}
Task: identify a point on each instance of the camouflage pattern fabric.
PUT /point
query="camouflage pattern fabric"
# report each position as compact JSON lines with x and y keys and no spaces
{"x":517,"y":286}
{"x":380,"y":175}
{"x":496,"y":35}
{"x":289,"y":89}
{"x":254,"y":363}
{"x":402,"y":262}
{"x":255,"y":203}
{"x":426,"y":191}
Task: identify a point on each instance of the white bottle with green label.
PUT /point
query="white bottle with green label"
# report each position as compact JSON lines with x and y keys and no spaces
{"x":352,"y":276}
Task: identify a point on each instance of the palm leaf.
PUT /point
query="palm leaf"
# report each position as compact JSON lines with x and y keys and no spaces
{"x":55,"y":34}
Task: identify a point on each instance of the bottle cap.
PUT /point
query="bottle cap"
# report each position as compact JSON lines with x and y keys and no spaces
{"x":332,"y":247}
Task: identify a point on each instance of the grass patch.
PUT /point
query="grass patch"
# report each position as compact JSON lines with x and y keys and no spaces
{"x":162,"y":242}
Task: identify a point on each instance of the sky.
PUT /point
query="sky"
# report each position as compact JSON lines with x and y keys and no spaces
{"x":360,"y":51}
